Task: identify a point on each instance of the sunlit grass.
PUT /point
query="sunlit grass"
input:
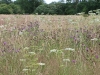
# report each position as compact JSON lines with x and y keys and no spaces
{"x":49,"y":45}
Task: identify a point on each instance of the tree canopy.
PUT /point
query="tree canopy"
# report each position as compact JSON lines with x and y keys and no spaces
{"x":71,"y":7}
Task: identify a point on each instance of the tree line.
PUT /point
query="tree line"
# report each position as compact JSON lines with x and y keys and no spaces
{"x":71,"y":7}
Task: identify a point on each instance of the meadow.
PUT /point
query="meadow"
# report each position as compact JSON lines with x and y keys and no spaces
{"x":49,"y":45}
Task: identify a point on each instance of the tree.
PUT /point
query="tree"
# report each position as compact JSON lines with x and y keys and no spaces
{"x":46,"y":9}
{"x":29,"y":5}
{"x":16,"y":9}
{"x":6,"y":1}
{"x":5,"y":9}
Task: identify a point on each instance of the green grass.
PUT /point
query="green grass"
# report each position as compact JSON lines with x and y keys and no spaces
{"x":70,"y":50}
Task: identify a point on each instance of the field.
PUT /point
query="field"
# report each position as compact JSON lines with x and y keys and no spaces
{"x":49,"y":45}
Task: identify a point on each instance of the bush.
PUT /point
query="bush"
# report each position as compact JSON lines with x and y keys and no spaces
{"x":16,"y":9}
{"x":46,"y":9}
{"x":5,"y":9}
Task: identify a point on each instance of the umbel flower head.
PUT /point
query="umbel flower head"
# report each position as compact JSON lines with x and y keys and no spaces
{"x":66,"y":60}
{"x":94,"y":39}
{"x":53,"y":50}
{"x":70,"y":49}
{"x":41,"y":64}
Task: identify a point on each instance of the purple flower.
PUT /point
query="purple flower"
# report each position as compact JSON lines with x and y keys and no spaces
{"x":74,"y":61}
{"x":4,"y":43}
{"x":87,"y":49}
{"x":97,"y":56}
{"x":17,"y":51}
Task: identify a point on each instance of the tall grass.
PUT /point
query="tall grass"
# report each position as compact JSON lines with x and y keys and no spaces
{"x":49,"y":45}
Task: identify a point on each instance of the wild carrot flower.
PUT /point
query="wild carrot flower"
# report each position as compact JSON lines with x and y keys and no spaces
{"x":20,"y":33}
{"x":26,"y":48}
{"x":32,"y":53}
{"x":53,"y":50}
{"x":22,"y":59}
{"x":25,"y":69}
{"x":70,"y":49}
{"x":94,"y":39}
{"x":41,"y":64}
{"x":65,"y":60}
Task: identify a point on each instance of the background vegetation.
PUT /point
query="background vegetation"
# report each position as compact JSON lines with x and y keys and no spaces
{"x":49,"y":45}
{"x":40,"y":7}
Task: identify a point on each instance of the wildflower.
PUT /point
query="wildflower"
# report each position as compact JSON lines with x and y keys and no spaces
{"x":33,"y":69}
{"x":20,"y":33}
{"x":65,"y":60}
{"x":32,"y":53}
{"x":74,"y":61}
{"x":70,"y":49}
{"x":25,"y":69}
{"x":87,"y":49}
{"x":26,"y":48}
{"x":97,"y":56}
{"x":53,"y":50}
{"x":22,"y":59}
{"x":95,"y":39}
{"x":4,"y":43}
{"x":41,"y":64}
{"x":97,"y":20}
{"x":2,"y":26}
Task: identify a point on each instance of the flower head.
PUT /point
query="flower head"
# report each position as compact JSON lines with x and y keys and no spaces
{"x":25,"y":69}
{"x":65,"y":60}
{"x":53,"y":50}
{"x":32,"y":53}
{"x":22,"y":59}
{"x":94,"y":39}
{"x":41,"y":64}
{"x":70,"y":49}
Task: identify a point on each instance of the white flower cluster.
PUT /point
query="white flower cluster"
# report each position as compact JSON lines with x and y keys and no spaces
{"x":32,"y":53}
{"x":41,"y":64}
{"x":70,"y":49}
{"x":94,"y":39}
{"x":22,"y":59}
{"x":53,"y":50}
{"x":65,"y":60}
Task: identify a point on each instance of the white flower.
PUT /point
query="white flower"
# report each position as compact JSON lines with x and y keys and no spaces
{"x":97,"y":20}
{"x":33,"y":69}
{"x":41,"y":64}
{"x":25,"y":69}
{"x":32,"y":53}
{"x":2,"y":26}
{"x":26,"y":48}
{"x":70,"y":49}
{"x":20,"y":33}
{"x":22,"y":59}
{"x":65,"y":60}
{"x":95,"y":39}
{"x":53,"y":50}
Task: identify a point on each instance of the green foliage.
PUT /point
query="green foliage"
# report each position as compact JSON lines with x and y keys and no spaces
{"x":10,"y":9}
{"x":5,"y":9}
{"x":29,"y":5}
{"x":70,"y":9}
{"x":40,"y":7}
{"x":16,"y":9}
{"x":46,"y":9}
{"x":6,"y":1}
